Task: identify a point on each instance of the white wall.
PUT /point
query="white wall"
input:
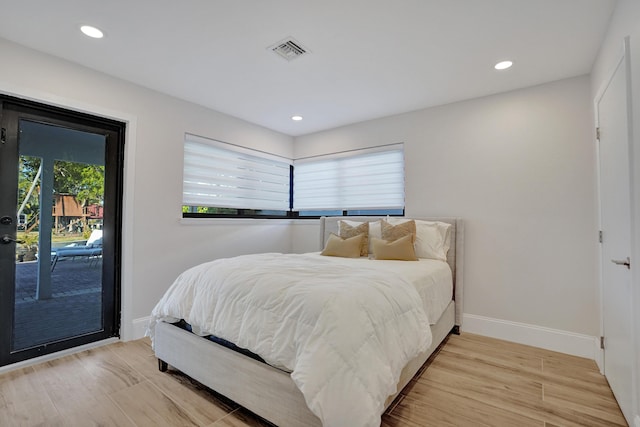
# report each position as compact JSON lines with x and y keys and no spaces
{"x":519,"y":168}
{"x":625,"y":21}
{"x":157,"y":246}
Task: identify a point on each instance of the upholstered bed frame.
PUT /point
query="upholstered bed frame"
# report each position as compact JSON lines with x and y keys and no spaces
{"x":270,"y":392}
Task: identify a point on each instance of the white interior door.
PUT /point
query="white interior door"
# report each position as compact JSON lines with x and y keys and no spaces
{"x":615,"y":206}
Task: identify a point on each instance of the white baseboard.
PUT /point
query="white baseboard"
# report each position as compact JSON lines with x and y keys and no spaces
{"x":139,"y":327}
{"x":537,"y":336}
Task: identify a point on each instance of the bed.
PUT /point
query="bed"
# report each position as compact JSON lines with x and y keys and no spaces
{"x":281,"y":394}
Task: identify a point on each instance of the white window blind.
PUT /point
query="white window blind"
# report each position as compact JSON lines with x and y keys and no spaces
{"x":217,"y":174}
{"x":362,"y":179}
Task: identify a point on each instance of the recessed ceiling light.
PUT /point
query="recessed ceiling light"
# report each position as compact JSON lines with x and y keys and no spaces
{"x":93,"y":32}
{"x":503,"y":65}
{"x":296,"y":118}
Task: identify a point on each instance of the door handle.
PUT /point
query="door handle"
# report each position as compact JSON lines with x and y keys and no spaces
{"x":6,"y":239}
{"x":625,"y":262}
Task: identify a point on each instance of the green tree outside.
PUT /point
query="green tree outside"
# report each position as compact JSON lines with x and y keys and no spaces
{"x":85,"y":181}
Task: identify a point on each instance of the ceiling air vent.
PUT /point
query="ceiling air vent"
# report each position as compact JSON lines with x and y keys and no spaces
{"x":289,"y":49}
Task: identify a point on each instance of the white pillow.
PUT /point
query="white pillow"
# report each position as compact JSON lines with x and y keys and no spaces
{"x":433,"y":238}
{"x":375,"y":230}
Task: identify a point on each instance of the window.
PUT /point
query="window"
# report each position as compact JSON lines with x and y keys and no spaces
{"x":353,"y":182}
{"x":225,"y":180}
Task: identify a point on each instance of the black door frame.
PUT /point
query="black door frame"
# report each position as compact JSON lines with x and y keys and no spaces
{"x":11,"y":111}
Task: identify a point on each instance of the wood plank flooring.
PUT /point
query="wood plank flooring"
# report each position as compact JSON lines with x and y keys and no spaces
{"x":472,"y":381}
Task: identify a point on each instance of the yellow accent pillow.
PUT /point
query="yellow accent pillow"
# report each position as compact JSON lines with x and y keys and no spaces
{"x":347,"y":231}
{"x":345,"y":248}
{"x":394,"y":232}
{"x":401,"y":249}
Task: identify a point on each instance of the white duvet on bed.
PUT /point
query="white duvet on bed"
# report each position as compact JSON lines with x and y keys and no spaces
{"x":432,"y":279}
{"x":343,"y":332}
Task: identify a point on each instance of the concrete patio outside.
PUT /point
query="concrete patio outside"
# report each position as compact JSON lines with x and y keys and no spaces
{"x":74,"y":309}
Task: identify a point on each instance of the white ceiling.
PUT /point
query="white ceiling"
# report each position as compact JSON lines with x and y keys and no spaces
{"x":369,"y":58}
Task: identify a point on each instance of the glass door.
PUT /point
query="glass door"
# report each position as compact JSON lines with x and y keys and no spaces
{"x":60,"y":199}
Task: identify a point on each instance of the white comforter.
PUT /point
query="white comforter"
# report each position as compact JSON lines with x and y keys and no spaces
{"x":344,"y":333}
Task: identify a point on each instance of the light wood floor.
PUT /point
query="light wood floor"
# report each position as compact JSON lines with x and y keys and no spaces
{"x":473,"y":381}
